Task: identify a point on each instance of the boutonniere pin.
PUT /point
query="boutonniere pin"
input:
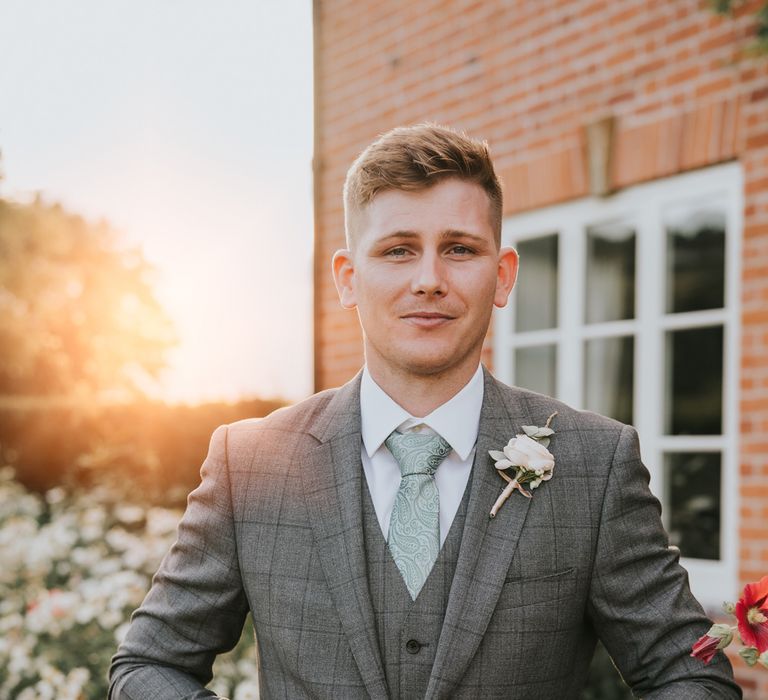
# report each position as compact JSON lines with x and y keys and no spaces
{"x":527,"y":458}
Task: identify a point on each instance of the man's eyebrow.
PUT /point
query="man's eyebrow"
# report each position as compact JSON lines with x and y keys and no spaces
{"x":399,"y":234}
{"x":448,"y":233}
{"x":457,"y":233}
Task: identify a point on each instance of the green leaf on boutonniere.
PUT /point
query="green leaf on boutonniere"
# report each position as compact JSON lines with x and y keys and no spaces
{"x":539,"y":433}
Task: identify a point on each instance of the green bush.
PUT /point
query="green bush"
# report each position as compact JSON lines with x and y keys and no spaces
{"x":74,"y":566}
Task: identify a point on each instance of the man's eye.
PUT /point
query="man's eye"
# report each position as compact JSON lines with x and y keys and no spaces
{"x":460,"y":250}
{"x":397,"y":252}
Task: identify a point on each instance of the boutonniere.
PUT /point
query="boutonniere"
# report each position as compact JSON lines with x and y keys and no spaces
{"x":527,"y":458}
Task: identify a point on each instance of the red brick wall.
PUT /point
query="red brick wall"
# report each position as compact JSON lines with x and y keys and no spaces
{"x":528,"y":77}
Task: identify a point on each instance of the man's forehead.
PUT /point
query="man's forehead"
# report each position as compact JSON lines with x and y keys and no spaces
{"x":452,"y":202}
{"x":458,"y":205}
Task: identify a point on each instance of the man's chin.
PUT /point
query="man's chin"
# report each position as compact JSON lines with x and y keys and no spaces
{"x":431,"y":365}
{"x":427,"y":359}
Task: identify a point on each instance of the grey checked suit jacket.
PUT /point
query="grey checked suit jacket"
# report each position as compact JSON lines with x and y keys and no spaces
{"x":275,"y":527}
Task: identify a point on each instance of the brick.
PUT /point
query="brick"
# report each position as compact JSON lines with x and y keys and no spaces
{"x":754,"y":533}
{"x":716,"y":41}
{"x":649,"y":65}
{"x":689,"y":30}
{"x":754,"y":186}
{"x":757,"y":140}
{"x":685,"y":75}
{"x":754,"y":448}
{"x":714,"y":86}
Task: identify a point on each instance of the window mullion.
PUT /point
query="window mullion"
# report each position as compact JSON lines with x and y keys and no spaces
{"x":731,"y":364}
{"x":570,"y":364}
{"x":649,"y":356}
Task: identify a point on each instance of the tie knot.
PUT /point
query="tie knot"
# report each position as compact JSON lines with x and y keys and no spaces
{"x":417,"y":454}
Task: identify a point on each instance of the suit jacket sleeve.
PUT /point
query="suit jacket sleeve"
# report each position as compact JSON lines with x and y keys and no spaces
{"x":640,"y":602}
{"x":196,"y":606}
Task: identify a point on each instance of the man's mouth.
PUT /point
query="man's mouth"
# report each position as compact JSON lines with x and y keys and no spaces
{"x":427,"y":319}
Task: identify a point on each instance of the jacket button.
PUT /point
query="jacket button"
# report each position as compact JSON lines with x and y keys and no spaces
{"x":412,"y":646}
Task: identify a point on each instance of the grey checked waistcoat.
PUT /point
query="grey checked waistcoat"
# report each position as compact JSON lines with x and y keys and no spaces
{"x":408,"y":630}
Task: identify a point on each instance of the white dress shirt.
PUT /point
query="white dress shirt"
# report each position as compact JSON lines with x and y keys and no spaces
{"x":456,"y":421}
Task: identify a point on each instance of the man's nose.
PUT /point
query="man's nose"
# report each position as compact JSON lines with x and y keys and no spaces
{"x":429,"y":275}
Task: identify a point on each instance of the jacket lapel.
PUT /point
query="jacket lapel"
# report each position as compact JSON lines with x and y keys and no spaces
{"x":333,"y":490}
{"x":487,"y":545}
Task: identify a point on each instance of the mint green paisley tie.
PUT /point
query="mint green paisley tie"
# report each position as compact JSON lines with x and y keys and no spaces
{"x":414,"y":528}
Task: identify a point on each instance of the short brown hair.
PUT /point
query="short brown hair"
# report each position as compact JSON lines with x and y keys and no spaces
{"x":415,"y":158}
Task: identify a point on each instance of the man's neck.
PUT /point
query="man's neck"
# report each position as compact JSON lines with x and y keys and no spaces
{"x":421,"y":394}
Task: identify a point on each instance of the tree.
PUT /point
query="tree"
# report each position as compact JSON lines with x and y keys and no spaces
{"x":728,"y":7}
{"x":78,"y":316}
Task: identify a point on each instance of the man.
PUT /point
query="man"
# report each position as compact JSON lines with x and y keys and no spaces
{"x":355,"y":526}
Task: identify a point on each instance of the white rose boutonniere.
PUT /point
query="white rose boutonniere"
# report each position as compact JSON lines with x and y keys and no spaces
{"x":527,"y":456}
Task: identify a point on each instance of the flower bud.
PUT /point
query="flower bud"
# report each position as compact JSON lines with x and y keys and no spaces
{"x":749,"y":654}
{"x":705,"y":648}
{"x":728,"y":607}
{"x":722,"y":632}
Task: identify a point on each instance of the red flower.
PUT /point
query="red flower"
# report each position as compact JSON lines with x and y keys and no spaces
{"x":752,"y":615}
{"x":718,"y":637}
{"x":705,"y":648}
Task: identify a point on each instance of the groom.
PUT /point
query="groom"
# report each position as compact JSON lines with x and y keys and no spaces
{"x":355,"y":526}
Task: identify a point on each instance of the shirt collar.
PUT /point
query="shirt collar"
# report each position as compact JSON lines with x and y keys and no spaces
{"x":457,"y":420}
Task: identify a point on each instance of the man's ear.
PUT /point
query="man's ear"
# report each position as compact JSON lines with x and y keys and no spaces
{"x":506,"y":275}
{"x":344,"y":278}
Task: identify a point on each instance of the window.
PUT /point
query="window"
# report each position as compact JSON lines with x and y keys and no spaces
{"x":628,"y":306}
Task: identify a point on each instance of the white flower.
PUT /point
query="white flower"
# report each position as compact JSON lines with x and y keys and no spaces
{"x":86,"y":612}
{"x":219,"y":686}
{"x":55,"y":495}
{"x":92,"y":523}
{"x":128,"y":514}
{"x":121,"y":631}
{"x":85,"y":557}
{"x":526,"y":453}
{"x":247,"y":690}
{"x":109,"y":619}
{"x":52,"y":612}
{"x":161,"y":522}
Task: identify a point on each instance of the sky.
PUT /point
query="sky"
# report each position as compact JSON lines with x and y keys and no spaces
{"x":187,"y":124}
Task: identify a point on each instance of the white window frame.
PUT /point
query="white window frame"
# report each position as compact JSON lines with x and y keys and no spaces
{"x":642,"y":206}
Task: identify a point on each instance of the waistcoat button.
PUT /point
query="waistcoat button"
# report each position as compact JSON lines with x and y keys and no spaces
{"x":412,"y":646}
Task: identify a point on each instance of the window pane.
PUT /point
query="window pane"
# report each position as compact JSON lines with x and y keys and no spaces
{"x":696,"y":261}
{"x":536,"y":290}
{"x":610,"y":283}
{"x":694,"y":381}
{"x":693,"y":496}
{"x":536,"y":367}
{"x":608,"y":377}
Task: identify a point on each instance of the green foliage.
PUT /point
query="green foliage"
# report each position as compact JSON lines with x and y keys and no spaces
{"x":78,"y":316}
{"x":729,"y":7}
{"x":722,"y":7}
